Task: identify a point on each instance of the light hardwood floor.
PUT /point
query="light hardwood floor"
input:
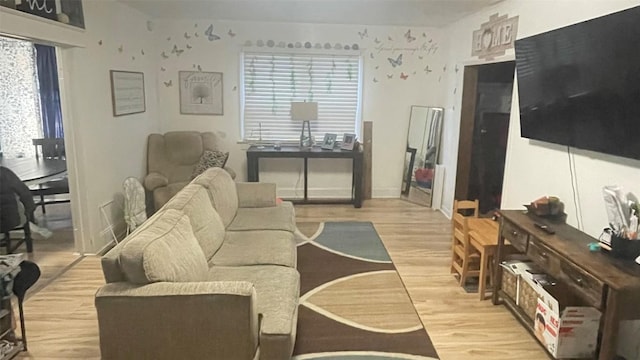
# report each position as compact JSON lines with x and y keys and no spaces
{"x":61,"y":318}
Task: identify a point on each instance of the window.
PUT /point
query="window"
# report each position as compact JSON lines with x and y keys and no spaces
{"x":20,"y":111}
{"x":271,"y":81}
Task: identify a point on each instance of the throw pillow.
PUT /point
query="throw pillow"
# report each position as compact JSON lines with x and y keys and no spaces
{"x":210,"y":159}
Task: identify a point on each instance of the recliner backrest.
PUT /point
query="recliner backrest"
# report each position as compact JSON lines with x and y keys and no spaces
{"x":175,"y":154}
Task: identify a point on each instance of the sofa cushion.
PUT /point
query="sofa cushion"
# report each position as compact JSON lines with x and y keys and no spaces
{"x":278,"y":291}
{"x":209,"y":159}
{"x":166,"y":250}
{"x":256,"y":248}
{"x":279,"y":217}
{"x":222,"y":192}
{"x":206,"y":224}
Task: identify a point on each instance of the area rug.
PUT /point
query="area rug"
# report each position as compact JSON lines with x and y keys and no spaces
{"x":353,"y":304}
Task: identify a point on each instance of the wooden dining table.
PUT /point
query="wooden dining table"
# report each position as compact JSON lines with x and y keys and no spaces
{"x":486,"y":243}
{"x":34,"y":171}
{"x":487,"y":227}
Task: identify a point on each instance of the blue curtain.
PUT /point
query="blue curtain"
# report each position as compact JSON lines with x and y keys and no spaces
{"x":49,"y":91}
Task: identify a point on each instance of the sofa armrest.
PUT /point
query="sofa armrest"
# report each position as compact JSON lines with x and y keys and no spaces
{"x":190,"y":320}
{"x":155,"y":180}
{"x":231,"y":172}
{"x":255,"y":195}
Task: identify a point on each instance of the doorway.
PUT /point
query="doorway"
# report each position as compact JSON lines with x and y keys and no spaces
{"x":32,"y":146}
{"x":484,"y":129}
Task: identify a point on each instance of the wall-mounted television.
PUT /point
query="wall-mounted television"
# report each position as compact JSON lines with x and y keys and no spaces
{"x":580,"y":85}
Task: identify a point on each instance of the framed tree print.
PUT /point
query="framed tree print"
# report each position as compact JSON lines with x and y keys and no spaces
{"x":201,"y":93}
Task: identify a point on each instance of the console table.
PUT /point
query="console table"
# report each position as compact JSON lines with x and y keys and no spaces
{"x":255,"y":153}
{"x":597,"y":279}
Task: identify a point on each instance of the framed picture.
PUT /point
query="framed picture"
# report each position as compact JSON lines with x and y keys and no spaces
{"x":200,"y":93}
{"x":348,"y":141}
{"x":329,"y":141}
{"x":127,"y":92}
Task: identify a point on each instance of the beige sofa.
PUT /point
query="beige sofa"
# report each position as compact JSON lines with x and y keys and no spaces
{"x":211,"y":275}
{"x":171,"y":159}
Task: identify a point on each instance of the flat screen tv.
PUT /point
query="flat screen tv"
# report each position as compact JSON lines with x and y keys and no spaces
{"x":580,"y":85}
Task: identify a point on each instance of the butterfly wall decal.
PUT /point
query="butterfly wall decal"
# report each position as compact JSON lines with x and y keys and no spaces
{"x":363,"y":34}
{"x":168,"y":83}
{"x":424,"y":35}
{"x":427,"y":69}
{"x":408,"y":36}
{"x":187,"y":36}
{"x":210,"y":34}
{"x":403,"y":76}
{"x":371,"y":56}
{"x":199,"y":68}
{"x":142,"y":51}
{"x":177,"y":51}
{"x":389,"y":38}
{"x":164,"y":55}
{"x":196,"y":34}
{"x":377,"y":41}
{"x":457,"y":69}
{"x":375,"y":80}
{"x":455,"y":90}
{"x":163,"y":69}
{"x":395,"y":62}
{"x":133,"y":58}
{"x":389,"y":76}
{"x":231,"y":33}
{"x":420,"y":57}
{"x":121,"y":48}
{"x":100,"y":42}
{"x":377,"y":66}
{"x":169,"y":38}
{"x":234,"y":88}
{"x":189,"y":47}
{"x":444,"y":68}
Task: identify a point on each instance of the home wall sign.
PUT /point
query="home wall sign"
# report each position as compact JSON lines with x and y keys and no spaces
{"x":494,"y":37}
{"x":64,"y":11}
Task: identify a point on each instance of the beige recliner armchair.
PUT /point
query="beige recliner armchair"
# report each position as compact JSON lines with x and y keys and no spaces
{"x":171,"y":159}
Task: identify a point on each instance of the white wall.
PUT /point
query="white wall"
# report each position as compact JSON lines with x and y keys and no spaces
{"x":386,"y":102}
{"x":534,"y":168}
{"x":103,"y":149}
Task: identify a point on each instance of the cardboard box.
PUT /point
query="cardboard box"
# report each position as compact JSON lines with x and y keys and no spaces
{"x":569,"y":333}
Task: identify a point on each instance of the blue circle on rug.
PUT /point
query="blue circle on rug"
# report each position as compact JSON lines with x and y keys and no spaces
{"x":352,"y":238}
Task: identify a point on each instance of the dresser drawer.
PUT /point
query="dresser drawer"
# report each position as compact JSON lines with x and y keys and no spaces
{"x":545,"y":258}
{"x":585,"y":286}
{"x":516,"y":236}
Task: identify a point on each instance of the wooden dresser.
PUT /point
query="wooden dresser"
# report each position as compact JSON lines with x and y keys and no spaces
{"x":597,"y":279}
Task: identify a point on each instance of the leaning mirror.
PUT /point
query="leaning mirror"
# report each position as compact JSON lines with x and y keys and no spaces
{"x":423,"y":150}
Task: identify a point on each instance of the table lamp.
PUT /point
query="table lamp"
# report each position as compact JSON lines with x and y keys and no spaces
{"x":304,"y":111}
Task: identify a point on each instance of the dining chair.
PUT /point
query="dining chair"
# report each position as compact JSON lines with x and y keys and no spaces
{"x":27,"y":277}
{"x":464,"y":259}
{"x":487,"y":250}
{"x":466,"y":206}
{"x":50,"y":149}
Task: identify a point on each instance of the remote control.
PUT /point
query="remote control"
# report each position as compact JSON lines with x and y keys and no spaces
{"x":545,"y":228}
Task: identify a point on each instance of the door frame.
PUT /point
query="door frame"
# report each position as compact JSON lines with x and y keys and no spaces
{"x":467,"y":123}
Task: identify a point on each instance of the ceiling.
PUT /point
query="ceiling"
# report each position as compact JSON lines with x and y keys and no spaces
{"x":434,"y":13}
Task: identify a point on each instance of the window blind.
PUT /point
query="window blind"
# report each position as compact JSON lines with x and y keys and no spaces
{"x":272,"y":81}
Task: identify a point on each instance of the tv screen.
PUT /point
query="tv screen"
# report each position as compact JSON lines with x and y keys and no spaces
{"x":580,"y":85}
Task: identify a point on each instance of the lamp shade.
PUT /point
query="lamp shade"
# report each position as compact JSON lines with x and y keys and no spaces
{"x":304,"y":111}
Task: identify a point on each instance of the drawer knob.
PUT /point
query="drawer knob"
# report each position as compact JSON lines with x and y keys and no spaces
{"x":579,"y":281}
{"x":544,"y":255}
{"x":514,"y":233}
